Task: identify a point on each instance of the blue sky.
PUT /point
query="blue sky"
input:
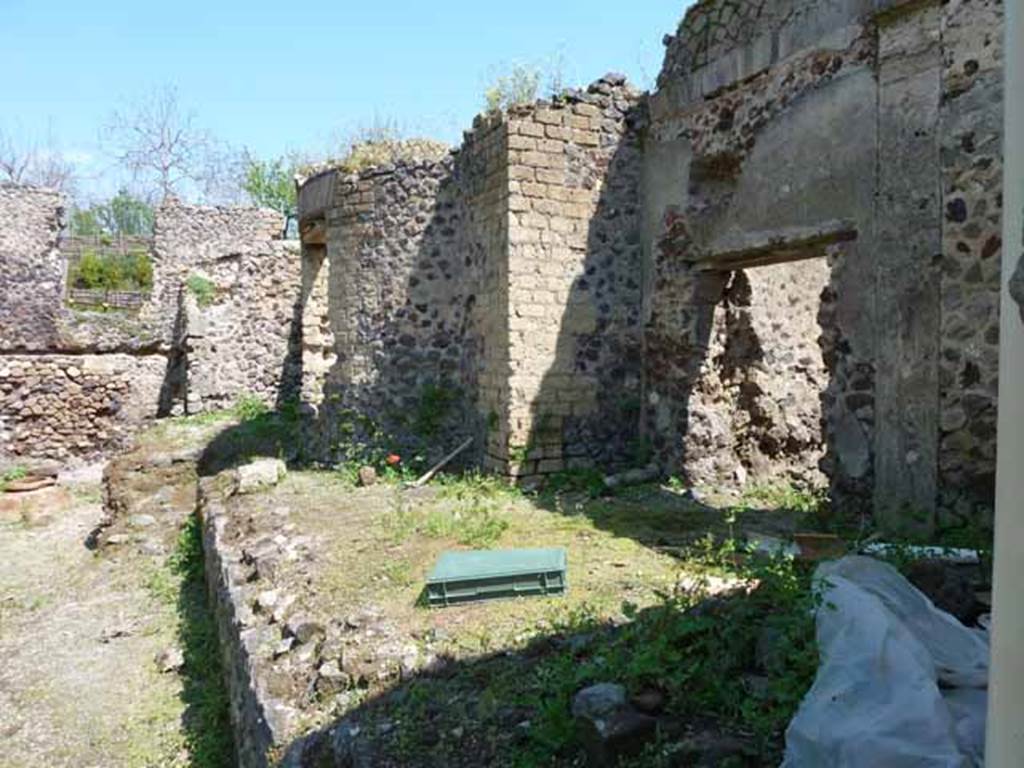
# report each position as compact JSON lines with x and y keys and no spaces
{"x":277,"y":77}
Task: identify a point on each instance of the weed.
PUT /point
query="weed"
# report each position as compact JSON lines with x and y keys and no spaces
{"x":467,"y":511}
{"x":435,"y":404}
{"x":249,"y":408}
{"x":809,"y":504}
{"x":520,"y":86}
{"x":12,"y":474}
{"x":202,"y":289}
{"x":676,"y":484}
{"x":698,"y":658}
{"x":398,"y":572}
{"x":589,"y":481}
{"x":207,"y":719}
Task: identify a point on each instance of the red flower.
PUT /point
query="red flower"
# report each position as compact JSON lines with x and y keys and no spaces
{"x":393,"y":459}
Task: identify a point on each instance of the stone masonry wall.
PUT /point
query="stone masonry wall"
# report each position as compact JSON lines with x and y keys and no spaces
{"x":92,"y":377}
{"x":574,"y":261}
{"x":500,"y":285}
{"x":245,"y":341}
{"x":32,"y":274}
{"x":972,"y":173}
{"x":401,"y":292}
{"x":61,"y":406}
{"x":864,"y":136}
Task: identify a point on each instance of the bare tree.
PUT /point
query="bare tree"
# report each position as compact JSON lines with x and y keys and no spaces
{"x":159,"y":143}
{"x":28,"y":163}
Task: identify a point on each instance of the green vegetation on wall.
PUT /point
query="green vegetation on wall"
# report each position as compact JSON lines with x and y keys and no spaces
{"x":202,"y":288}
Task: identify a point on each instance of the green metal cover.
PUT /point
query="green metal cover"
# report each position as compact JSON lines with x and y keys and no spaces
{"x":461,"y":577}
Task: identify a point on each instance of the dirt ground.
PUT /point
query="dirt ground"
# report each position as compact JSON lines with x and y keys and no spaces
{"x":79,"y":637}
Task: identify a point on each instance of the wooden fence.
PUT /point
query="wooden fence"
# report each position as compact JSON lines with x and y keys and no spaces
{"x":73,"y":248}
{"x":111,"y":299}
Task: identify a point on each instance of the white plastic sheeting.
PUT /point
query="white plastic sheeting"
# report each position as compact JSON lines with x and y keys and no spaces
{"x":901,"y":683}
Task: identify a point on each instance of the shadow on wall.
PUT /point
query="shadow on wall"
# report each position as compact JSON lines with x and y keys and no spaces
{"x":174,"y":388}
{"x":402,"y":303}
{"x":741,"y":365}
{"x":584,"y":410}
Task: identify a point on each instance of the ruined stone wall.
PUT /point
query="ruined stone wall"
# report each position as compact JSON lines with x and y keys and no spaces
{"x":756,"y":405}
{"x":504,"y":281}
{"x":864,"y":137}
{"x":971,"y":152}
{"x":401,"y":290}
{"x":61,"y":406}
{"x":482,"y":180}
{"x":92,"y":377}
{"x":574,"y":262}
{"x":244,"y":340}
{"x":33,"y":272}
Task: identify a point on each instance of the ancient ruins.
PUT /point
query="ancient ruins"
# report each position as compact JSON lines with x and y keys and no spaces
{"x":780,"y":265}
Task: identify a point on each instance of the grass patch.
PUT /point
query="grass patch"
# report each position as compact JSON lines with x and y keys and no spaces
{"x":745,"y":662}
{"x":588,"y":481}
{"x":469,"y":511}
{"x":202,"y":289}
{"x":180,"y":582}
{"x":12,"y":474}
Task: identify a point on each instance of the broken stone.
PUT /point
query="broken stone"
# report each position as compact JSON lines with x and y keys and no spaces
{"x":303,"y":629}
{"x":260,"y":474}
{"x":31,"y":483}
{"x":282,"y":609}
{"x":367,"y":476}
{"x":650,"y":701}
{"x":170,"y":660}
{"x":265,"y":601}
{"x":284,"y":647}
{"x":330,"y":679}
{"x":608,"y":727}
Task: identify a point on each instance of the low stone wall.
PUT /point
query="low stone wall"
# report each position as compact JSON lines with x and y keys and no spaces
{"x":60,"y":406}
{"x":92,"y":377}
{"x":258,"y":726}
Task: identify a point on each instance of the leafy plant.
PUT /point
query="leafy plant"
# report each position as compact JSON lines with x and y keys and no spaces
{"x":435,"y":404}
{"x":249,"y":408}
{"x":271,"y":184}
{"x":104,"y":271}
{"x":202,"y":288}
{"x":589,"y":481}
{"x":520,"y":85}
{"x":12,"y":474}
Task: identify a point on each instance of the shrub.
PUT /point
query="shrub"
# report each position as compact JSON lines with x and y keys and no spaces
{"x":249,"y":408}
{"x":520,"y":86}
{"x":99,"y":271}
{"x":375,"y":152}
{"x":15,"y":473}
{"x":202,"y":288}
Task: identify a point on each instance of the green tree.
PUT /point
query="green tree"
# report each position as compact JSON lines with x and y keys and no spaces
{"x":126,"y":215}
{"x":271,"y":184}
{"x":85,"y":222}
{"x":123,"y":214}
